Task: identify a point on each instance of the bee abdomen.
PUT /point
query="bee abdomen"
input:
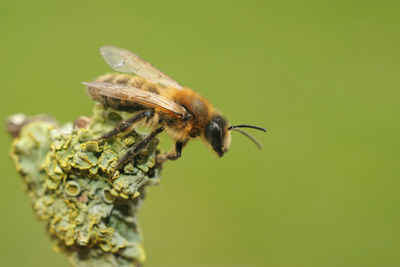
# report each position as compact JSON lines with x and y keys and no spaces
{"x":113,"y":102}
{"x":133,"y":81}
{"x":124,"y":79}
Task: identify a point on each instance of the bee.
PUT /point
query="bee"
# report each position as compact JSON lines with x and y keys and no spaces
{"x":159,"y":103}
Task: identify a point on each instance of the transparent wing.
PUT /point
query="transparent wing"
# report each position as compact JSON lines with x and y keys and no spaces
{"x":129,"y":93}
{"x":125,"y":61}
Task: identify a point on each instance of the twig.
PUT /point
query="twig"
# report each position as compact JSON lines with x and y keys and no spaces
{"x":66,"y":173}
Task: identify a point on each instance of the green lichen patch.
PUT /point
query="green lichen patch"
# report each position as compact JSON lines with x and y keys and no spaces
{"x":67,"y":172}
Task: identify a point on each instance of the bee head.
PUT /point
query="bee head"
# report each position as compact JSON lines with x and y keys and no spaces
{"x":217,"y":134}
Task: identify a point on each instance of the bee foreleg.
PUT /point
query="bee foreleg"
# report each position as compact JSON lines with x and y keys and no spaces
{"x":135,"y":149}
{"x":127,"y":124}
{"x":178,"y":150}
{"x":175,"y":154}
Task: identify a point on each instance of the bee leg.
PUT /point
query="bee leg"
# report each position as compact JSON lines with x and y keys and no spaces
{"x":178,"y":150}
{"x":173,"y":155}
{"x":135,"y":149}
{"x":126,"y":124}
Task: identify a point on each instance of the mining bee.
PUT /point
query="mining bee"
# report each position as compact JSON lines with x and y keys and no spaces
{"x":160,"y":103}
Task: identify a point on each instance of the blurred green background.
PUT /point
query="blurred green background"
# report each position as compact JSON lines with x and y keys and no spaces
{"x":322,"y":76}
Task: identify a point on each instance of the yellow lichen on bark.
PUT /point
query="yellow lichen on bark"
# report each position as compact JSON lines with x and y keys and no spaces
{"x":67,"y":176}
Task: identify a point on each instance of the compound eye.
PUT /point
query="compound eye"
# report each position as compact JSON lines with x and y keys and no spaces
{"x":216,"y":131}
{"x":213,"y":134}
{"x":212,"y":131}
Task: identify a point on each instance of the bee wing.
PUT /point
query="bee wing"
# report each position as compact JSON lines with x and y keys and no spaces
{"x":129,"y":93}
{"x":125,"y":61}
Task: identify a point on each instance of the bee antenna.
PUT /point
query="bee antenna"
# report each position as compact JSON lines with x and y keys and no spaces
{"x":249,"y":136}
{"x":247,"y":126}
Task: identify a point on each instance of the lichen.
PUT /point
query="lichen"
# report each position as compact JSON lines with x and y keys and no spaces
{"x":67,"y":176}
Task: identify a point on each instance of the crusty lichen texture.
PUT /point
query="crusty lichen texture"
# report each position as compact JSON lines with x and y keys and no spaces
{"x":67,"y":176}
